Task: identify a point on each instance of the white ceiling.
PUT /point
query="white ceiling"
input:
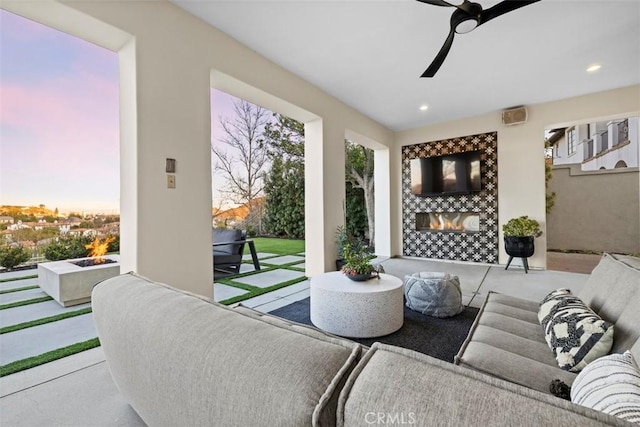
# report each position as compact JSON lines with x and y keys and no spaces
{"x":370,"y":54}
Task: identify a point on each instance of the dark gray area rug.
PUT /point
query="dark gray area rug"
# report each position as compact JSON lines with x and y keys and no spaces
{"x":439,"y":338}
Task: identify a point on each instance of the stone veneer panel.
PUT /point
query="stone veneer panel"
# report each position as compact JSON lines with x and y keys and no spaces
{"x":462,"y":246}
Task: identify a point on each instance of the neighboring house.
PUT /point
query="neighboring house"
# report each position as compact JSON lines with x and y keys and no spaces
{"x":6,"y":220}
{"x":598,"y":145}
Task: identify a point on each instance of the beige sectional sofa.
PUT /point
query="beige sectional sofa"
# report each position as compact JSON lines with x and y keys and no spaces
{"x":179,"y":359}
{"x":508,"y":342}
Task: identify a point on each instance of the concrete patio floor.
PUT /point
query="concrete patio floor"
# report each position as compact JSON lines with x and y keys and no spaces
{"x":78,"y":390}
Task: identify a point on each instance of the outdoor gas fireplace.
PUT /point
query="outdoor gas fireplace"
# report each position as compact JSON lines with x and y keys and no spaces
{"x":460,"y":222}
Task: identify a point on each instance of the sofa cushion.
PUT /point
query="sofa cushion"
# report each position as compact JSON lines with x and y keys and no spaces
{"x":610,"y":384}
{"x":575,"y":334}
{"x":506,"y":341}
{"x":181,"y":360}
{"x":397,"y":386}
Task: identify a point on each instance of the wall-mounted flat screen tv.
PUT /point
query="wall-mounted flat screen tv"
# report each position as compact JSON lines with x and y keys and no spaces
{"x":457,"y":173}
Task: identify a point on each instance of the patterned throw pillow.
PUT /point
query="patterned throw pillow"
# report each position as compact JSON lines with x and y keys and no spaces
{"x":575,"y":334}
{"x":610,"y":384}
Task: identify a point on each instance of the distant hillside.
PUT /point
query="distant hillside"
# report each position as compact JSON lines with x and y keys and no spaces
{"x":238,"y":213}
{"x":37,"y":211}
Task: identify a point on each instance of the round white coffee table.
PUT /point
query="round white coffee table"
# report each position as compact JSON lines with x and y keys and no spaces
{"x":356,"y":309}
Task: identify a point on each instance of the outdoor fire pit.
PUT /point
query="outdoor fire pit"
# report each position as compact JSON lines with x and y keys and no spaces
{"x":71,"y":281}
{"x":70,"y":284}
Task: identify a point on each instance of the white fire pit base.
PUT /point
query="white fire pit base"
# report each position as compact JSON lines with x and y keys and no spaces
{"x":69,"y":284}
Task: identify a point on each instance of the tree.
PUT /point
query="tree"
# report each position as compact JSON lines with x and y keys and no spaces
{"x":359,"y":172}
{"x":243,"y":161}
{"x":356,"y":212}
{"x":284,"y":184}
{"x":550,"y":198}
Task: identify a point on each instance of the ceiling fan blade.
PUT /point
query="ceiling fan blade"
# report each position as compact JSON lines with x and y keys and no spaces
{"x":502,"y":8}
{"x":440,"y":57}
{"x":438,"y":3}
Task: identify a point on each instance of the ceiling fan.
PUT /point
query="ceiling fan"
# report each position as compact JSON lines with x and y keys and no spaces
{"x":465,"y":18}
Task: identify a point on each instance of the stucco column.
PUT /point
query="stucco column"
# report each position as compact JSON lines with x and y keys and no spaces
{"x":382,"y":179}
{"x":165,"y":113}
{"x":324,"y":193}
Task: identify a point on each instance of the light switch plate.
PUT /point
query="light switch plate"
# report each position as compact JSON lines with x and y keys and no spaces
{"x":171,"y":181}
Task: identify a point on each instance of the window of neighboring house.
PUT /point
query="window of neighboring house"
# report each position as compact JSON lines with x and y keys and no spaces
{"x":571,"y":141}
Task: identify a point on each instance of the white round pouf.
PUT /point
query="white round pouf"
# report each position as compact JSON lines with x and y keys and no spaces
{"x":433,"y":294}
{"x":356,"y":309}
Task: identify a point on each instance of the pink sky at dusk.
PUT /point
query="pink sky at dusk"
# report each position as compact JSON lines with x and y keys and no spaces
{"x":59,"y":128}
{"x":59,"y":124}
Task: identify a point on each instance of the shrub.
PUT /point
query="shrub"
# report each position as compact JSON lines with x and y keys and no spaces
{"x":67,"y":247}
{"x":10,"y":256}
{"x":114,"y":245}
{"x":522,"y":226}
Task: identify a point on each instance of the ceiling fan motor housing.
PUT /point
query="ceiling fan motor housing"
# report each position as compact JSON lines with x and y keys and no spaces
{"x":514,"y":116}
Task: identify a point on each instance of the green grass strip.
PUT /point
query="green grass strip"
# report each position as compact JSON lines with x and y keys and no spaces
{"x":26,"y":288}
{"x":25,"y":302}
{"x":50,"y":356}
{"x":273,"y":245}
{"x":12,"y":279}
{"x":259,"y":291}
{"x":44,"y":320}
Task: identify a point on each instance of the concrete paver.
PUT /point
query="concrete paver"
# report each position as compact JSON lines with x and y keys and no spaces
{"x":261,"y":255}
{"x":222,"y":292}
{"x":28,"y":294}
{"x":281,"y":260}
{"x":15,"y":284}
{"x":27,"y":313}
{"x":269,"y":278}
{"x":36,"y":340}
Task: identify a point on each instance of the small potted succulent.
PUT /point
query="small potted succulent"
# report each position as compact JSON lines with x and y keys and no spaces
{"x":357,"y":264}
{"x":519,"y":234}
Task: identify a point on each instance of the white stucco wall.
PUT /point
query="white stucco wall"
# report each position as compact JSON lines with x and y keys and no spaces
{"x":521,"y":189}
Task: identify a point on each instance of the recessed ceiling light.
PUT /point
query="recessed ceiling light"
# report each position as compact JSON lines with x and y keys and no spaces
{"x":424,"y":107}
{"x":593,"y":68}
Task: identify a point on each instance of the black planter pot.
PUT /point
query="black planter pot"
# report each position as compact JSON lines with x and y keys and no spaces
{"x":519,"y":247}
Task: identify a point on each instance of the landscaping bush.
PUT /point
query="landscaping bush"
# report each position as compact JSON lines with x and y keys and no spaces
{"x":114,"y":246}
{"x":67,"y":247}
{"x":10,"y":256}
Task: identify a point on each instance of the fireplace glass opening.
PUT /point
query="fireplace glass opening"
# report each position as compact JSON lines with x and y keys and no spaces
{"x":460,"y":222}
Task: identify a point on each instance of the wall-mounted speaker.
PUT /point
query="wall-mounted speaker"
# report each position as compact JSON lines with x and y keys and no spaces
{"x":514,"y":116}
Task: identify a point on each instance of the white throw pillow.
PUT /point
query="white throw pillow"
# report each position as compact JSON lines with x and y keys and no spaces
{"x":575,"y":334}
{"x":610,"y":384}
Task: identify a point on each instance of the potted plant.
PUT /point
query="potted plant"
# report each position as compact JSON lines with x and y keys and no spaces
{"x":344,"y":238}
{"x":519,"y":234}
{"x":357,"y":264}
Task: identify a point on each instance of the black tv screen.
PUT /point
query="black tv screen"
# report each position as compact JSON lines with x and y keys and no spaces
{"x":449,"y":174}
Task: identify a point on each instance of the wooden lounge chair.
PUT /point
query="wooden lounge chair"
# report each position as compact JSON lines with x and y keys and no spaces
{"x":228,"y":249}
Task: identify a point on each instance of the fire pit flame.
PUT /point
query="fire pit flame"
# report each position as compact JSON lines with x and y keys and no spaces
{"x":98,"y":250}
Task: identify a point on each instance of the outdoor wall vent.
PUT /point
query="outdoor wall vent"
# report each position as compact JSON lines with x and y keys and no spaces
{"x":514,"y":116}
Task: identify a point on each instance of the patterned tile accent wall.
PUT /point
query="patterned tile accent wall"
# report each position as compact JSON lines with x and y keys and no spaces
{"x":481,"y":246}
